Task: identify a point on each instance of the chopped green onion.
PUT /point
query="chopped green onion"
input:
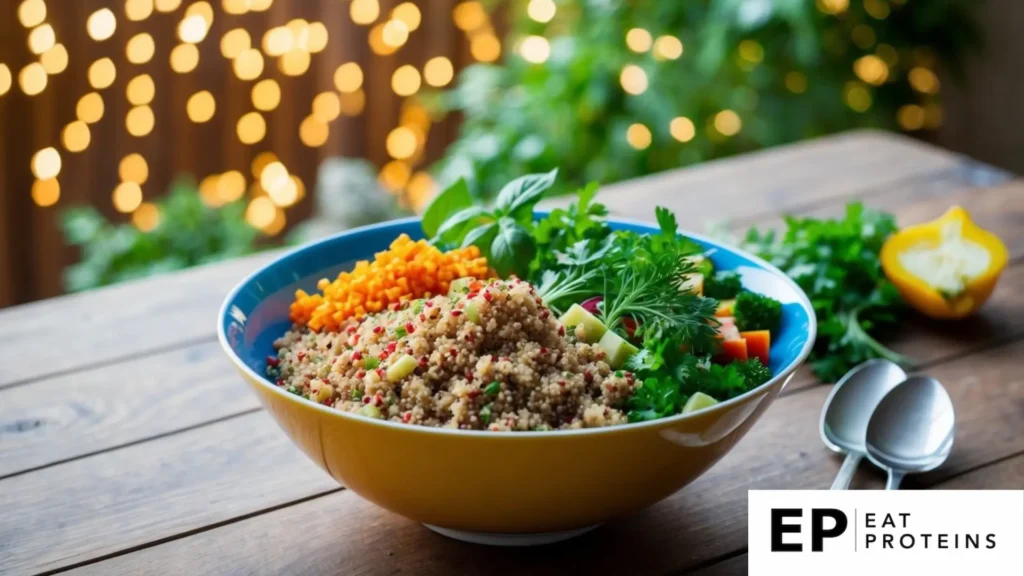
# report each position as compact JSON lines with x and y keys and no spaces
{"x":485,"y":415}
{"x":493,"y":388}
{"x":357,"y":394}
{"x":400,"y":331}
{"x":417,"y":306}
{"x":371,"y":362}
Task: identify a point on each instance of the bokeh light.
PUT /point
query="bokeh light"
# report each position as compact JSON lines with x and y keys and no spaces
{"x":102,"y":73}
{"x":260,"y":5}
{"x":541,"y":10}
{"x":184,"y":58}
{"x":235,"y":7}
{"x":923,"y":80}
{"x":208,"y":191}
{"x":260,"y":212}
{"x":888,"y":54}
{"x":535,"y":49}
{"x":277,"y":224}
{"x":277,"y":41}
{"x":638,"y":136}
{"x":286,"y":193}
{"x":857,"y":97}
{"x":401,"y":143}
{"x":326,"y":106}
{"x":833,"y":7}
{"x":201,"y":107}
{"x":438,"y":71}
{"x":633,"y":79}
{"x":46,"y":192}
{"x":233,"y":42}
{"x":41,"y":39}
{"x":261,"y":161}
{"x":31,"y":13}
{"x":295,"y":62}
{"x":166,"y":5}
{"x":32,"y":79}
{"x":485,"y":47}
{"x":682,"y":129}
{"x":420,"y":190}
{"x":933,"y":115}
{"x":316,"y":37}
{"x":395,"y":33}
{"x":409,"y":14}
{"x":728,"y":123}
{"x":5,"y":79}
{"x":137,"y":10}
{"x":101,"y":24}
{"x":469,"y":16}
{"x":55,"y":60}
{"x":46,"y":163}
{"x":639,"y":40}
{"x":230,"y":186}
{"x":313,"y":132}
{"x":139,"y":121}
{"x":667,"y":48}
{"x":348,"y":77}
{"x":127,"y":197}
{"x":751,"y":51}
{"x":202,"y":9}
{"x":910,"y":117}
{"x":352,"y":103}
{"x":89,"y":108}
{"x":376,"y":40}
{"x":863,"y":36}
{"x":251,"y":128}
{"x":796,"y":82}
{"x":133,"y":168}
{"x":140,"y":90}
{"x":877,"y":9}
{"x":266,"y":95}
{"x":146,"y":217}
{"x":364,"y":12}
{"x":871,"y":69}
{"x":249,"y":64}
{"x":193,"y":29}
{"x":140,"y":48}
{"x":394,"y":175}
{"x":273,"y":175}
{"x":406,"y":80}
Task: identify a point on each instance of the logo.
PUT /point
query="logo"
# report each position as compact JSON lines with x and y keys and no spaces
{"x":849,"y":532}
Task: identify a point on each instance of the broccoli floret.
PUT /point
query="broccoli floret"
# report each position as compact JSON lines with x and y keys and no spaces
{"x":754,"y":373}
{"x":722,"y":285}
{"x":756,"y":312}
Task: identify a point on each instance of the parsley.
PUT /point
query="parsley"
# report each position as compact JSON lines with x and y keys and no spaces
{"x":485,"y":415}
{"x":722,"y":285}
{"x":836,"y":262}
{"x":757,"y":312}
{"x":493,"y":388}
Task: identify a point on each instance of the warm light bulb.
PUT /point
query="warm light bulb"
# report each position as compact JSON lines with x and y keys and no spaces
{"x":32,"y":79}
{"x":348,"y":77}
{"x":193,"y":29}
{"x":146,"y":217}
{"x":140,"y":90}
{"x":41,"y":39}
{"x":90,"y":108}
{"x":364,"y":12}
{"x":127,"y":197}
{"x":352,"y":103}
{"x":871,"y":69}
{"x":31,"y":13}
{"x":140,"y":48}
{"x":401,"y":143}
{"x":133,"y":168}
{"x":438,"y":71}
{"x":5,"y":79}
{"x":137,"y":10}
{"x":55,"y":60}
{"x":316,"y":37}
{"x":639,"y":40}
{"x":485,"y":47}
{"x":286,"y":194}
{"x":46,"y":163}
{"x":230,"y":186}
{"x":728,"y":122}
{"x":46,"y":192}
{"x":277,"y":41}
{"x":260,"y":212}
{"x":139,"y":121}
{"x":295,"y":62}
{"x":184,"y":58}
{"x":469,"y":16}
{"x":201,"y":107}
{"x":233,"y":42}
{"x":266,"y":95}
{"x":681,"y":128}
{"x":313,"y":132}
{"x":395,"y":33}
{"x":249,"y":64}
{"x":101,"y":24}
{"x":406,"y":80}
{"x":326,"y":106}
{"x":409,"y":14}
{"x":166,"y":5}
{"x":633,"y":79}
{"x":273,"y":175}
{"x":535,"y":49}
{"x":541,"y":10}
{"x":102,"y":73}
{"x":638,"y":136}
{"x":251,"y":128}
{"x":667,"y":48}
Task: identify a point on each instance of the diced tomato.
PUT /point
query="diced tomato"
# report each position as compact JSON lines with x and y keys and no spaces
{"x":725,"y":308}
{"x":759,"y":342}
{"x":629,"y":325}
{"x":732,"y":350}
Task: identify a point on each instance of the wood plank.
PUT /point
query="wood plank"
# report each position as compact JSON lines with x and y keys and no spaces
{"x":116,"y":323}
{"x":341,"y":533}
{"x":68,"y":416}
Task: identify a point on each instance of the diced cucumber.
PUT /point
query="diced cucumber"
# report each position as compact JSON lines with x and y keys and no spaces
{"x":617,"y":348}
{"x":593,"y":328}
{"x":698,"y":401}
{"x":370,"y":410}
{"x":473,"y":312}
{"x":402,"y":367}
{"x":460,"y":285}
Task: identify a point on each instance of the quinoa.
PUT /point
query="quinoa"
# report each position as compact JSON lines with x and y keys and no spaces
{"x":492,"y":359}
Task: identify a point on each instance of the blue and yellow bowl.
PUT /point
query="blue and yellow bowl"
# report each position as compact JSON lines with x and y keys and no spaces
{"x":519,"y":487}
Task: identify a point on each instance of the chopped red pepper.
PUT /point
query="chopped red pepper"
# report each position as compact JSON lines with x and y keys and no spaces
{"x":273,"y":360}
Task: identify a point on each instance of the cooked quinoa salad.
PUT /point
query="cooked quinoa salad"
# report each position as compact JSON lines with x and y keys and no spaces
{"x":494,"y":358}
{"x":501,"y":322}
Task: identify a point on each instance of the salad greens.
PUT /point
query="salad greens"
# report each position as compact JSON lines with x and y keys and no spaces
{"x":637,"y":281}
{"x":836,"y":262}
{"x":722,"y":285}
{"x":757,"y":312}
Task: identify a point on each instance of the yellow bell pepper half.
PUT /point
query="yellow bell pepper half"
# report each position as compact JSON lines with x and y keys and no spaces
{"x":946,"y":268}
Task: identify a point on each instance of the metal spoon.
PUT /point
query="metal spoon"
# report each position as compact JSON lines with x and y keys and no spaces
{"x":844,"y":419}
{"x":912,"y":429}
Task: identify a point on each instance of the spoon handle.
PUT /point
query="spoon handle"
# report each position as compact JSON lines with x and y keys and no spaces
{"x":847,"y":471}
{"x":893,"y":482}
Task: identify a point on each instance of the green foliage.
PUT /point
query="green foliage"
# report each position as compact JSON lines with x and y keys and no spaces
{"x":757,"y":312}
{"x":722,"y":285}
{"x":189,"y":233}
{"x":785,"y":67}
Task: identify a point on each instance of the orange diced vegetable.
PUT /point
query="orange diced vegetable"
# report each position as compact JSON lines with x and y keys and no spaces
{"x":725,"y":308}
{"x":759,"y":342}
{"x":734,"y":350}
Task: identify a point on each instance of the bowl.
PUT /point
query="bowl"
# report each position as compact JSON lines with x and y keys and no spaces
{"x":513,"y":488}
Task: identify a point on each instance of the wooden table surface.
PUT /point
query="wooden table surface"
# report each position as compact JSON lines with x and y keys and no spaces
{"x":129,"y":445}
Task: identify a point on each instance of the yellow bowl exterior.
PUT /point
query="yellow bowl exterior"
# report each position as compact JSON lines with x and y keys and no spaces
{"x":513,"y":482}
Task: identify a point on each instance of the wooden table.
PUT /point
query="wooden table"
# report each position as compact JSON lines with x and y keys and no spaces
{"x":129,"y":445}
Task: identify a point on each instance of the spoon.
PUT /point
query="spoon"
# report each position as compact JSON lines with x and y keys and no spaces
{"x":911,"y":430}
{"x":844,"y":419}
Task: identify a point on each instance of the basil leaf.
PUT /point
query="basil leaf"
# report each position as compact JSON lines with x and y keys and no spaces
{"x":519,"y":196}
{"x":512,"y":249}
{"x":454,"y":198}
{"x":481,"y":237}
{"x":455,"y":227}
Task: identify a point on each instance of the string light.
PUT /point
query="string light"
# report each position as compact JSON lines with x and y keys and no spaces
{"x":45,"y":192}
{"x":485,"y":47}
{"x":146,"y":217}
{"x":193,"y":29}
{"x":438,"y":71}
{"x":251,"y":128}
{"x":184,"y":58}
{"x":260,"y":212}
{"x":639,"y":40}
{"x":273,"y":175}
{"x":139,"y":121}
{"x":138,"y":10}
{"x":89,"y":108}
{"x":535,"y":49}
{"x":201,"y":106}
{"x":235,"y":7}
{"x":294,"y":63}
{"x":633,"y":79}
{"x":316,"y":37}
{"x":352,"y":104}
{"x":32,"y":79}
{"x":469,"y":16}
{"x":260,"y":5}
{"x":681,"y":128}
{"x":41,"y":39}
{"x":230,"y":186}
{"x":364,"y":12}
{"x":796,"y":82}
{"x":31,"y":13}
{"x":348,"y":77}
{"x":249,"y":64}
{"x":140,"y":90}
{"x":133,"y":168}
{"x":276,"y":225}
{"x":277,"y":41}
{"x":285,"y":194}
{"x":313,"y":132}
{"x":376,"y":40}
{"x":127,"y":197}
{"x":541,"y":10}
{"x":55,"y":60}
{"x":401,"y":143}
{"x":871,"y":69}
{"x":261,"y":161}
{"x":728,"y":123}
{"x":409,"y":14}
{"x":140,"y":48}
{"x":923,"y":80}
{"x":101,"y":24}
{"x":406,"y":80}
{"x":201,"y":9}
{"x":326,"y":106}
{"x":857,"y":97}
{"x":394,"y":175}
{"x":46,"y":163}
{"x":395,"y":33}
{"x":166,"y":5}
{"x":638,"y":136}
{"x":5,"y":79}
{"x":266,"y":95}
{"x":233,"y":42}
{"x":667,"y":48}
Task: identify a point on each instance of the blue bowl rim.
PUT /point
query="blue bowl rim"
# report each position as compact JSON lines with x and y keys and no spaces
{"x":784,"y":374}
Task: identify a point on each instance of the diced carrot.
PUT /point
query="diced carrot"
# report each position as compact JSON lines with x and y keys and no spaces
{"x":732,"y":350}
{"x":759,"y":342}
{"x":725,"y":308}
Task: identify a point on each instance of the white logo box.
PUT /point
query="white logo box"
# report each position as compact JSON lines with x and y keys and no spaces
{"x":907,"y":532}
